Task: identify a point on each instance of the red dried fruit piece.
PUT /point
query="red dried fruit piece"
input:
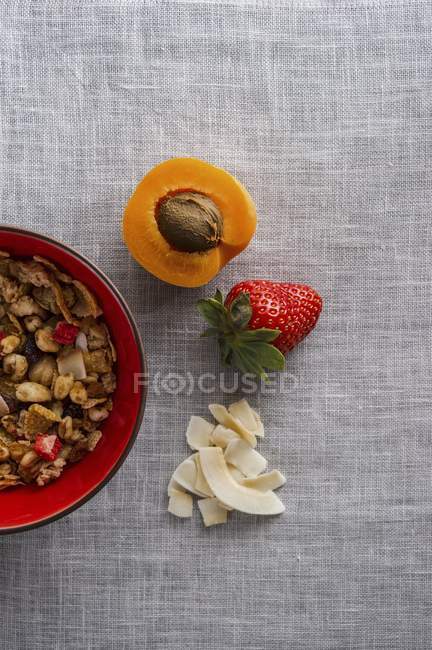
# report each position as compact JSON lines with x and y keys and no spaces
{"x":47,"y":446}
{"x":65,"y":333}
{"x":2,"y":334}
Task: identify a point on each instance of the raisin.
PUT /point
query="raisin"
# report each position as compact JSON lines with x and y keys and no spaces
{"x":31,"y":350}
{"x":73,"y":410}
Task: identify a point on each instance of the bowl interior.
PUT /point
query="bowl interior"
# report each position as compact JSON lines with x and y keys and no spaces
{"x":27,"y":505}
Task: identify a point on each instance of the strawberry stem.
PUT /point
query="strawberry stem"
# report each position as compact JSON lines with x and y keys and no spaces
{"x":250,"y":351}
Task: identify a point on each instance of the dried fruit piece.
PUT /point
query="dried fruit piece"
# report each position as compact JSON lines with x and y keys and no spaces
{"x":212,"y":512}
{"x":180,"y":504}
{"x":31,"y":350}
{"x":247,"y":460}
{"x":74,"y":411}
{"x":231,"y":493}
{"x":65,"y":333}
{"x":47,"y":446}
{"x":198,"y":432}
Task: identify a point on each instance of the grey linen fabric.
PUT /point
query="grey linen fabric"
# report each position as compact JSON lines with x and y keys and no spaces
{"x":322,"y":109}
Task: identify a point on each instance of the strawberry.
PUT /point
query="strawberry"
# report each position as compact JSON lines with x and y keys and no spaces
{"x":260,"y":321}
{"x":47,"y":446}
{"x":65,"y":333}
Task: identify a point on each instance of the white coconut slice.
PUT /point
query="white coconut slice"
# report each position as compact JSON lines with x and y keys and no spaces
{"x":247,"y":460}
{"x":221,"y":436}
{"x":270,"y":481}
{"x":72,"y":362}
{"x":81,"y":342}
{"x":180,"y":504}
{"x":225,"y":507}
{"x":186,"y":475}
{"x":235,"y":473}
{"x":229,"y":492}
{"x":174,"y":487}
{"x":212,"y":512}
{"x":201,"y":484}
{"x":225,"y":418}
{"x":249,"y":418}
{"x":198,"y":432}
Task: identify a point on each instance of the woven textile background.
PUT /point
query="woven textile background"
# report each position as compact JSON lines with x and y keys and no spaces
{"x":323,"y":110}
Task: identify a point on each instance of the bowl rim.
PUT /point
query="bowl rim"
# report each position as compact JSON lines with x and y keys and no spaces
{"x":9,"y":530}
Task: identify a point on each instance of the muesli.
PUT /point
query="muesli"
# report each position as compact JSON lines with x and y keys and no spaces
{"x":57,"y":371}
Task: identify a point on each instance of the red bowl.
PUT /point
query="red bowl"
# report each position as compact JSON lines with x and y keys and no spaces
{"x":26,"y":507}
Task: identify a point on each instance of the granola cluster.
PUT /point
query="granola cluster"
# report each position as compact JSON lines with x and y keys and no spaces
{"x":56,"y":371}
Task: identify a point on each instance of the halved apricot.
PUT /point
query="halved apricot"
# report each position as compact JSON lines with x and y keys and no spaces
{"x":186,"y":220}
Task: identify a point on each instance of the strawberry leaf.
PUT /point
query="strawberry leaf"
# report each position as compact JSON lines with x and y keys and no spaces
{"x":267,"y":355}
{"x":262,"y":334}
{"x":211,"y":312}
{"x":251,"y":351}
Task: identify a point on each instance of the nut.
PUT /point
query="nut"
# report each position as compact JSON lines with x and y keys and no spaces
{"x":15,"y":365}
{"x":78,"y":393}
{"x":28,"y":459}
{"x":9,"y":344}
{"x":63,"y":385}
{"x":4,"y":453}
{"x":31,"y":391}
{"x":43,"y":370}
{"x":32,"y":323}
{"x":44,"y":340}
{"x":18,"y":449}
